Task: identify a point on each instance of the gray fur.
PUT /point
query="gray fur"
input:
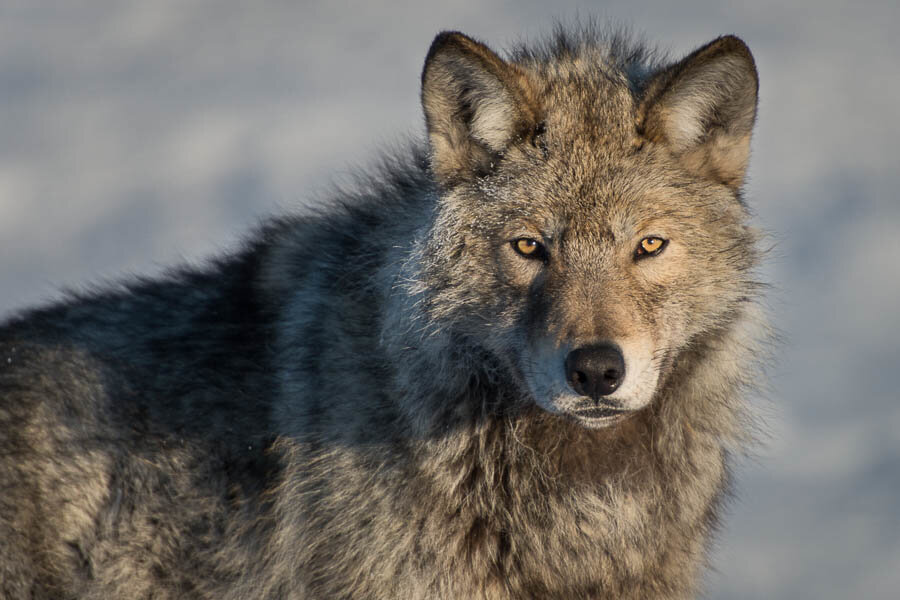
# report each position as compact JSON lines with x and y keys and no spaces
{"x":351,"y":405}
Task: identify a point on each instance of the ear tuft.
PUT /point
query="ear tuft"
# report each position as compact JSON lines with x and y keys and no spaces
{"x":704,"y":108}
{"x":475,"y":106}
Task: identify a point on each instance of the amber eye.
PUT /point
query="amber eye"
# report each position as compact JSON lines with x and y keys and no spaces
{"x":529,"y":248}
{"x":650,"y":246}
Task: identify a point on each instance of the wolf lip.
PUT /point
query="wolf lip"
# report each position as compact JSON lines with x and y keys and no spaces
{"x":599,"y":412}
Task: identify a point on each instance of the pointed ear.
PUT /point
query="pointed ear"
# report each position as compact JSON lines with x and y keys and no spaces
{"x":476,"y":105}
{"x":704,"y":108}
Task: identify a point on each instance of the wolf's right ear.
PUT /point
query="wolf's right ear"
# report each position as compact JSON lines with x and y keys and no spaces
{"x":476,"y":105}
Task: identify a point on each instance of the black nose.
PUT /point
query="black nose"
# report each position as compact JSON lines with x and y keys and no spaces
{"x":596,"y":370}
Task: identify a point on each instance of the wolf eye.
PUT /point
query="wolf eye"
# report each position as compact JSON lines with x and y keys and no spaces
{"x":650,"y":246}
{"x":529,"y":248}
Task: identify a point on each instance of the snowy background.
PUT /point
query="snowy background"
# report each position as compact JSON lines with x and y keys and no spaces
{"x":136,"y":135}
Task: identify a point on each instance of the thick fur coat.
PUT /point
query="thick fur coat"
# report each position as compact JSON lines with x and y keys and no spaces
{"x":509,"y":366}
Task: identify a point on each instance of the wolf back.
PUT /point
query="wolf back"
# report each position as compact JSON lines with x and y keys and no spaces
{"x":510,"y":365}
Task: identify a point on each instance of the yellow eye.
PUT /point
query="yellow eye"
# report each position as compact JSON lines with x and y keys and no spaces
{"x":650,"y":246}
{"x":528,"y":247}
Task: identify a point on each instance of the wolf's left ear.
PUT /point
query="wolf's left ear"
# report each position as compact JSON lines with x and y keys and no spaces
{"x":704,"y":108}
{"x":476,"y":105}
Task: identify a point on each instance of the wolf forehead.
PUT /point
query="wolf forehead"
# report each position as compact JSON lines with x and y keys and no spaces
{"x":584,"y":100}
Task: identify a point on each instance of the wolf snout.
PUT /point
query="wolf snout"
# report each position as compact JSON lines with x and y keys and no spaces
{"x":596,"y":370}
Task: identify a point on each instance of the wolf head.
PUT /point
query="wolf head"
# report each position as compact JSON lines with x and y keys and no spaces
{"x":589,"y":228}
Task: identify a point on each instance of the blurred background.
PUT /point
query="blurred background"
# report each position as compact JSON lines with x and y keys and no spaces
{"x":137,"y":135}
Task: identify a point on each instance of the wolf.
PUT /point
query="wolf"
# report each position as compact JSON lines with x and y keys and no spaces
{"x":510,"y":364}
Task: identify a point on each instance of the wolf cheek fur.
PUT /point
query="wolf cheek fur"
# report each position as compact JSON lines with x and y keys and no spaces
{"x":509,"y":367}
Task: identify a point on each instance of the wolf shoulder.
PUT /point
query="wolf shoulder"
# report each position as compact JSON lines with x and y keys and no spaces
{"x":197,"y":352}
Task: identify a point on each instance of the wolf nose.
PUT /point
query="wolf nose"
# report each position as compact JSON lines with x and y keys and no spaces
{"x":596,"y":370}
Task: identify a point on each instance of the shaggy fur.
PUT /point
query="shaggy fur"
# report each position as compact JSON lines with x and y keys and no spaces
{"x":389,"y":398}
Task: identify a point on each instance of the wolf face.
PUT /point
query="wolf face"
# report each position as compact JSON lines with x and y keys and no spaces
{"x":589,"y":223}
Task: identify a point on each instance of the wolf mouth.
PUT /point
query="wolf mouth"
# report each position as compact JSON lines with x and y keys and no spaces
{"x":599,"y":412}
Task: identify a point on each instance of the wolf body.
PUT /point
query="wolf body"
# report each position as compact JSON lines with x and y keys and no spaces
{"x":510,"y":366}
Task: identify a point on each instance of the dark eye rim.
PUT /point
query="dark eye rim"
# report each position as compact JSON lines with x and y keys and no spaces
{"x":640,"y":253}
{"x":540,"y":251}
